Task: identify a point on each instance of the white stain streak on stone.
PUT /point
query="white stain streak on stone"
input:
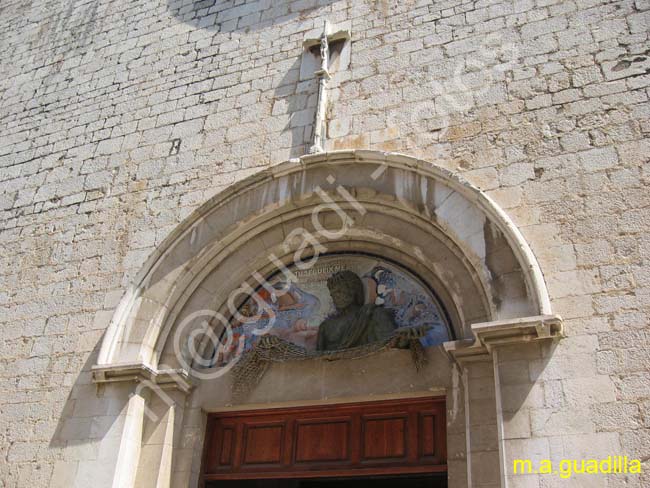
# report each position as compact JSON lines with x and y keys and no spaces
{"x":466,"y":222}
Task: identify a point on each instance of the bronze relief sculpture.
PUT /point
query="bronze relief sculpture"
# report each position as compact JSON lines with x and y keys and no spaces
{"x":374,"y":306}
{"x":353,"y":324}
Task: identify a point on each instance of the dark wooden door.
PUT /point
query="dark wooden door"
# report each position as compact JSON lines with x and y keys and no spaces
{"x":359,"y":439}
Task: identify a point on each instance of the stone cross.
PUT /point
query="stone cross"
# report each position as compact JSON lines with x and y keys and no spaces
{"x":323,"y":74}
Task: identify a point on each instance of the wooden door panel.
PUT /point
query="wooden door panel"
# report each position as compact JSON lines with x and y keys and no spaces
{"x":227,"y":446}
{"x":384,"y":437}
{"x":322,"y":440}
{"x":431,"y":447}
{"x":263,"y":443}
{"x":389,"y":437}
{"x":427,"y":436}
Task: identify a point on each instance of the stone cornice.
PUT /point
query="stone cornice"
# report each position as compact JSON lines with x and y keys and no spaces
{"x":139,"y":372}
{"x":504,"y":333}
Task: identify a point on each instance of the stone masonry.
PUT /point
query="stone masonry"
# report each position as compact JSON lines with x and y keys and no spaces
{"x":119,"y":118}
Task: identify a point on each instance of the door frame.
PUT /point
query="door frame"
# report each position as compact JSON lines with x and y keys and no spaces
{"x":355,"y":417}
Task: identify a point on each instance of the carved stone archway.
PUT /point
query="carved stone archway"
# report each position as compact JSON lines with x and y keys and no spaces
{"x":422,"y":216}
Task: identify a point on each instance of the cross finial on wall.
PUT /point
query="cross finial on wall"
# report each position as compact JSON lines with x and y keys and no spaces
{"x":326,"y":37}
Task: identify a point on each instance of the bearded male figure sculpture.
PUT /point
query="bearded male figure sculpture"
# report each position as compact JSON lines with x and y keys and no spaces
{"x":354,"y":324}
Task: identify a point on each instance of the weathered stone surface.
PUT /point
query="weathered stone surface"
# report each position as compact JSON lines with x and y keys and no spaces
{"x":544,"y":104}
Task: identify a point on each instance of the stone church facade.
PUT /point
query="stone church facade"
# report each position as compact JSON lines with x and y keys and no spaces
{"x":160,"y":160}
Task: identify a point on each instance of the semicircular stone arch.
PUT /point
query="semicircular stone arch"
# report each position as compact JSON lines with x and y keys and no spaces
{"x":418,"y":214}
{"x":427,"y":221}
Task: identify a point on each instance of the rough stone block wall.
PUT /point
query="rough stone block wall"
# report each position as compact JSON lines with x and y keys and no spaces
{"x":118,"y":118}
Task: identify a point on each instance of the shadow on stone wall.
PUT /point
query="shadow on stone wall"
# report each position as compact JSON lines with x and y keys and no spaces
{"x":87,"y":416}
{"x":298,"y":100}
{"x":517,"y":390}
{"x":225,"y":16}
{"x":248,"y":16}
{"x":70,"y":29}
